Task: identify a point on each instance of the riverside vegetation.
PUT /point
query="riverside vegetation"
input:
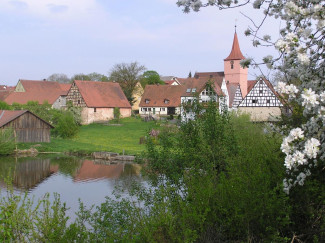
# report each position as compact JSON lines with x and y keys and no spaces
{"x":216,"y":179}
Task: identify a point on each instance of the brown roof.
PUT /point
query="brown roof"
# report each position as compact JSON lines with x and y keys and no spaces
{"x":157,"y":94}
{"x":200,"y":83}
{"x":37,"y":91}
{"x":250,"y":85}
{"x":7,"y":116}
{"x":102,"y":94}
{"x":235,"y":53}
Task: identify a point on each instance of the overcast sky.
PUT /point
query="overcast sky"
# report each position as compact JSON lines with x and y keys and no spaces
{"x":42,"y":37}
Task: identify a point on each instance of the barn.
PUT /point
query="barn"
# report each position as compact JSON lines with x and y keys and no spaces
{"x":27,"y":126}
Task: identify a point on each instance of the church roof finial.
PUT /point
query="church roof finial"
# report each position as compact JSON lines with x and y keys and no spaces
{"x":235,"y":53}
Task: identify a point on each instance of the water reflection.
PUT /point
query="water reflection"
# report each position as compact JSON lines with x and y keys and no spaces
{"x":29,"y":173}
{"x":73,"y":178}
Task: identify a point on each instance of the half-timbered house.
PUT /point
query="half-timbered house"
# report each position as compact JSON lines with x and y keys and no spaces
{"x":98,"y":100}
{"x":27,"y":126}
{"x":262,"y":102}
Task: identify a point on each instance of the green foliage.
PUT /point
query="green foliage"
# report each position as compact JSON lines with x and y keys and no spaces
{"x":65,"y":125}
{"x":117,"y":114}
{"x":222,"y":180}
{"x":150,"y":77}
{"x":4,"y":106}
{"x":90,"y":77}
{"x":7,"y":141}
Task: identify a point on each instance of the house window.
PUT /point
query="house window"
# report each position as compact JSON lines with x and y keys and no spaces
{"x":162,"y":109}
{"x":78,"y":102}
{"x":147,"y":101}
{"x":166,"y":101}
{"x":149,"y":109}
{"x":254,"y":101}
{"x":268,"y":101}
{"x":194,"y":90}
{"x":144,"y":109}
{"x":188,"y":90}
{"x":95,"y":109}
{"x":232,"y":64}
{"x":261,"y":91}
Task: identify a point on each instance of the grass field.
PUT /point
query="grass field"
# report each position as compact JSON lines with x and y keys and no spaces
{"x":100,"y":137}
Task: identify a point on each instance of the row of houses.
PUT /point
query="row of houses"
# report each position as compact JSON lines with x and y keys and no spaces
{"x":230,"y":88}
{"x":97,"y":100}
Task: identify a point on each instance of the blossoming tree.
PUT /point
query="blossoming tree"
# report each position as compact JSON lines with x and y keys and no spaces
{"x":301,"y":60}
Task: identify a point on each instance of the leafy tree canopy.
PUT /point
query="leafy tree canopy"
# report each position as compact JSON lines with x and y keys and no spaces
{"x":127,"y":75}
{"x":151,"y":77}
{"x":59,"y":77}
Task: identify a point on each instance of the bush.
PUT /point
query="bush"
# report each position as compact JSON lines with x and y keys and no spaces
{"x":65,"y":125}
{"x":7,"y":141}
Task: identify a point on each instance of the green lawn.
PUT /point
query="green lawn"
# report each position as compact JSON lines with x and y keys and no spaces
{"x":100,"y":137}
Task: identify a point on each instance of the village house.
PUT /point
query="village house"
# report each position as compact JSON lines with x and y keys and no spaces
{"x":161,"y":100}
{"x":27,"y":126}
{"x":51,"y":92}
{"x":231,"y":89}
{"x":98,"y":100}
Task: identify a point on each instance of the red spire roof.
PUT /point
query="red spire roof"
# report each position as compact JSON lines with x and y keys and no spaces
{"x":235,"y":53}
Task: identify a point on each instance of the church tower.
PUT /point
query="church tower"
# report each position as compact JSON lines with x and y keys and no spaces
{"x":234,"y":73}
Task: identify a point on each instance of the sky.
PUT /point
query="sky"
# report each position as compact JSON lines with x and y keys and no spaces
{"x":42,"y":37}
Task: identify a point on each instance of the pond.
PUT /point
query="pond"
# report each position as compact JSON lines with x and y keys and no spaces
{"x":71,"y":177}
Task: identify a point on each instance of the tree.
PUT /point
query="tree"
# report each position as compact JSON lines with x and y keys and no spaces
{"x":59,"y":77}
{"x":190,"y":74}
{"x":151,"y":77}
{"x":301,"y":60}
{"x":80,"y":76}
{"x":127,"y":75}
{"x":98,"y":77}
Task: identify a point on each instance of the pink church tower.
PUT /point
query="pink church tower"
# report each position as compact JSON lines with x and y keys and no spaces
{"x":234,"y":73}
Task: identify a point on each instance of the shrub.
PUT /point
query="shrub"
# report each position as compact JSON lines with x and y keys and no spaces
{"x":7,"y":141}
{"x":65,"y":126}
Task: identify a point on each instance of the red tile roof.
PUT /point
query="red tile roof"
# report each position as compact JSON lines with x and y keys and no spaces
{"x":235,"y":53}
{"x":102,"y":94}
{"x":200,"y":84}
{"x":37,"y":91}
{"x":250,"y":85}
{"x":157,"y":94}
{"x":7,"y":116}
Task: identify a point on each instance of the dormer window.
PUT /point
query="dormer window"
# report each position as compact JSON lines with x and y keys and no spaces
{"x":188,"y":90}
{"x":194,"y":90}
{"x":232,"y":64}
{"x":147,"y":101}
{"x":166,"y":101}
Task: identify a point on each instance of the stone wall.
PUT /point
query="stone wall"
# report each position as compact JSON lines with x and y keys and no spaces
{"x":260,"y":114}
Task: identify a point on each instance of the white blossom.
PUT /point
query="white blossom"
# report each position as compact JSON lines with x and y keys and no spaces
{"x":303,"y":58}
{"x":285,"y":146}
{"x":312,"y":148}
{"x":297,"y":133}
{"x":309,"y":98}
{"x":282,"y":45}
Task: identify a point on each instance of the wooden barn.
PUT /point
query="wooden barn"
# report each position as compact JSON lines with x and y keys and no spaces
{"x":27,"y":126}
